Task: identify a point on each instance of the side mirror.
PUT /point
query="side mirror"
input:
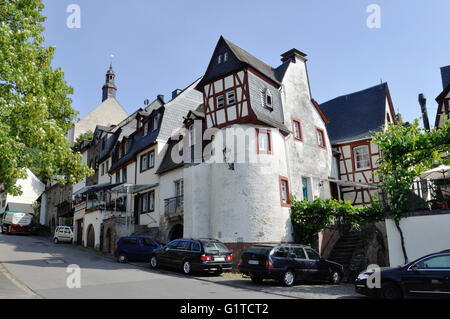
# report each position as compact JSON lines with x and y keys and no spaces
{"x":415,"y":268}
{"x":166,"y":248}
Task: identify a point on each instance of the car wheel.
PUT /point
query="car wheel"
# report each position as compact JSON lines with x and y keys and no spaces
{"x":55,"y":240}
{"x":122,"y":258}
{"x":289,"y":278}
{"x":335,"y":277}
{"x":390,"y":291}
{"x":256,"y":279}
{"x":153,"y":262}
{"x":187,"y":267}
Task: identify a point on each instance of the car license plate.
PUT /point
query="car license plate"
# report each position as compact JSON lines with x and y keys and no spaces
{"x":219,"y":258}
{"x":253,"y":262}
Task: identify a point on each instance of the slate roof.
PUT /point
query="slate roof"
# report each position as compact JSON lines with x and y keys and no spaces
{"x":355,"y":116}
{"x":137,"y":142}
{"x":252,"y":61}
{"x":445,"y":73}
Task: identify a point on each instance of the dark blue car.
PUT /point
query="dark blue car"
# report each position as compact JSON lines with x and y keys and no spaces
{"x":136,"y":248}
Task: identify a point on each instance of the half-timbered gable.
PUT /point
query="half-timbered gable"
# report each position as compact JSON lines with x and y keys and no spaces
{"x":443,"y":100}
{"x":239,"y":88}
{"x":353,"y":119}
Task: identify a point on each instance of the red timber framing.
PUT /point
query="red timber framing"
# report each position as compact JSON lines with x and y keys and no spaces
{"x":241,"y":99}
{"x":349,"y":172}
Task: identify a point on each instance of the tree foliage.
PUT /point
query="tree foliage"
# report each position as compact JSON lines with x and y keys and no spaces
{"x":407,"y":152}
{"x":35,"y":110}
{"x":88,"y":136}
{"x":309,"y":218}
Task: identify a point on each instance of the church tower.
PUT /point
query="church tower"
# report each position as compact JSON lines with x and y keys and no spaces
{"x":109,"y":89}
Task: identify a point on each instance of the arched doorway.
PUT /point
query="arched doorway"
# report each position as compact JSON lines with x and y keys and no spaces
{"x":176,"y":232}
{"x":91,"y":237}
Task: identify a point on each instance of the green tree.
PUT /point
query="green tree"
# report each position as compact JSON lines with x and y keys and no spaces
{"x":35,"y":111}
{"x":408,"y":151}
{"x":88,"y":136}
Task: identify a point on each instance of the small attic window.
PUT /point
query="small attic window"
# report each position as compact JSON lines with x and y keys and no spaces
{"x":225,"y":57}
{"x":267,"y":99}
{"x":219,"y":59}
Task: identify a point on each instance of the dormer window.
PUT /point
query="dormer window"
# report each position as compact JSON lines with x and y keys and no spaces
{"x":146,"y":129}
{"x":155,"y":122}
{"x":267,"y":99}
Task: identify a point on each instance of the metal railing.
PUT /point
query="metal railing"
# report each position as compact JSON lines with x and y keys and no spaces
{"x":174,"y":207}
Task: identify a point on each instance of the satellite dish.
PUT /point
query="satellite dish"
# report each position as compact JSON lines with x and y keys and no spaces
{"x":147,"y":102}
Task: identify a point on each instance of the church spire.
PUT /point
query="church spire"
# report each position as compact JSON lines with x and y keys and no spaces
{"x":109,"y":88}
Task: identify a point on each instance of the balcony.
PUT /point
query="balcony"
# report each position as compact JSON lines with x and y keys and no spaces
{"x":174,"y":208}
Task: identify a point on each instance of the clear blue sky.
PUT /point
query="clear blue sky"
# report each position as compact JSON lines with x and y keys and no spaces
{"x":160,"y":46}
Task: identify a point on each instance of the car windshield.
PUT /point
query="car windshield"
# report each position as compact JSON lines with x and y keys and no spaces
{"x":215,"y":246}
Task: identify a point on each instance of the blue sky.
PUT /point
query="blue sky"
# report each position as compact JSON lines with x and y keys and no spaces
{"x":160,"y":46}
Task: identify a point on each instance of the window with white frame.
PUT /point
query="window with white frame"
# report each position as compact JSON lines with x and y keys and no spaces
{"x":179,"y":188}
{"x":219,"y":59}
{"x":225,"y":57}
{"x":145,"y":130}
{"x":191,"y":135}
{"x":220,"y":102}
{"x":264,"y":142}
{"x":144,"y":200}
{"x":155,"y":122}
{"x":362,"y":157}
{"x":151,"y":201}
{"x":231,"y":98}
{"x":147,"y":161}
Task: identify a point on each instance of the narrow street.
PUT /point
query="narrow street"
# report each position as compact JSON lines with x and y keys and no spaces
{"x":34,"y":267}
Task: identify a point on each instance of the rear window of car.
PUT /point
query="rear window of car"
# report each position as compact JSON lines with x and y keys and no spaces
{"x":129,"y":241}
{"x":214,"y":246}
{"x":259,"y":250}
{"x":196,"y":246}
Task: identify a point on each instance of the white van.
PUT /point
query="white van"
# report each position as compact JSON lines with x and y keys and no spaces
{"x":63,"y":234}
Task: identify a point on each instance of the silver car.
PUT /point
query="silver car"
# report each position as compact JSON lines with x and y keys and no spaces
{"x":63,"y":234}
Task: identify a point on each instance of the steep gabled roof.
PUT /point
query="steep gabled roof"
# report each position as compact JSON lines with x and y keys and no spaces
{"x":240,"y":59}
{"x":355,"y":116}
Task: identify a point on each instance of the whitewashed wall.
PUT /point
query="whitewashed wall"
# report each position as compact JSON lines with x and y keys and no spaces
{"x":423,"y":235}
{"x":305,"y":158}
{"x":242,"y":204}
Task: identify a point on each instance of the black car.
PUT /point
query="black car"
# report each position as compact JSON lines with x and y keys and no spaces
{"x":288,"y":264}
{"x":135,"y":248}
{"x":193,"y":255}
{"x":426,"y":277}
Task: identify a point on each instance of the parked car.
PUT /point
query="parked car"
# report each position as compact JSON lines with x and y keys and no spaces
{"x":425,"y":277}
{"x":138,"y":248}
{"x":63,"y":234}
{"x":191,"y":255}
{"x":288,"y":264}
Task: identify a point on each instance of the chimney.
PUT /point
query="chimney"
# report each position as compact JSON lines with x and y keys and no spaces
{"x":292,"y":54}
{"x":423,"y":107}
{"x":175,"y":93}
{"x":161,"y":98}
{"x":445,"y":73}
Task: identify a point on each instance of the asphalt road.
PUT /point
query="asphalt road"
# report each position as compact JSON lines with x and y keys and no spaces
{"x":34,"y":267}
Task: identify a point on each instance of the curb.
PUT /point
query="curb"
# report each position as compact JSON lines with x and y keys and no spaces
{"x":19,"y":284}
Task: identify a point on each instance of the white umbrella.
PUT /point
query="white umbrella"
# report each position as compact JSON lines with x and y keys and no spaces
{"x":441,"y":172}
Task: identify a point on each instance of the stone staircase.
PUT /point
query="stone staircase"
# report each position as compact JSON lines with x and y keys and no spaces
{"x":343,"y":251}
